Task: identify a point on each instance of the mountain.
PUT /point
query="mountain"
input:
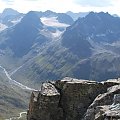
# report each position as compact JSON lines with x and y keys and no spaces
{"x":48,"y":13}
{"x":115,"y":15}
{"x":54,"y":22}
{"x":23,"y":36}
{"x":2,"y":27}
{"x":26,"y":39}
{"x":102,"y":27}
{"x":9,"y":12}
{"x":30,"y":31}
{"x":73,"y":99}
{"x":85,"y":46}
{"x":75,"y":16}
{"x":15,"y":43}
{"x":61,"y":17}
{"x":27,"y":36}
{"x":10,"y":17}
{"x":76,"y":42}
{"x":49,"y":46}
{"x":64,"y":18}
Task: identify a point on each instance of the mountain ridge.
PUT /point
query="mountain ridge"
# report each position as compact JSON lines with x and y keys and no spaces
{"x":64,"y":57}
{"x":33,"y":50}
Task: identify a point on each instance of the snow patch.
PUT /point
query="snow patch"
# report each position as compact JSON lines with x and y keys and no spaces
{"x":57,"y":33}
{"x":2,"y":27}
{"x":15,"y":21}
{"x":52,"y":22}
{"x":101,"y":35}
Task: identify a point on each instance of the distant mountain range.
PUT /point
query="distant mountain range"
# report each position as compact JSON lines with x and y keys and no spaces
{"x":75,"y":16}
{"x":85,"y":46}
{"x":40,"y":46}
{"x":10,"y":17}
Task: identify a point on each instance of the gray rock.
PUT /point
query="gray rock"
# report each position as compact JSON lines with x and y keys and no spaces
{"x":105,"y":106}
{"x":77,"y":95}
{"x":69,"y":99}
{"x":116,"y":99}
{"x":44,"y":104}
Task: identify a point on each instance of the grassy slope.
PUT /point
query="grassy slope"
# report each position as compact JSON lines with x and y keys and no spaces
{"x":12,"y":99}
{"x":57,"y":62}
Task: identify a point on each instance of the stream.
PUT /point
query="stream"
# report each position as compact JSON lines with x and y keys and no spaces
{"x":17,"y":118}
{"x":14,"y":82}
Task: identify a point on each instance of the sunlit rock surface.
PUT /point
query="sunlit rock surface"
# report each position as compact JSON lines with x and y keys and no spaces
{"x":73,"y":99}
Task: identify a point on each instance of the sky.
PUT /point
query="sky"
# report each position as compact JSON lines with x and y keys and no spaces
{"x":23,"y":6}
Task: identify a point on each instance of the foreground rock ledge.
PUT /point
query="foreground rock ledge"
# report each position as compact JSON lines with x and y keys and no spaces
{"x":73,"y":99}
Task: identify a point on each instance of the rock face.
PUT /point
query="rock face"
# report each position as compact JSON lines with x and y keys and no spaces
{"x":105,"y":106}
{"x":72,"y":99}
{"x":77,"y":95}
{"x":44,"y":104}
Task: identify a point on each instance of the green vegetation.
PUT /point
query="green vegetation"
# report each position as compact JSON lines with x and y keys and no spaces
{"x":13,"y":99}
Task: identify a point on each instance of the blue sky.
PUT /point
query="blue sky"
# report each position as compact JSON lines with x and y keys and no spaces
{"x":111,"y":6}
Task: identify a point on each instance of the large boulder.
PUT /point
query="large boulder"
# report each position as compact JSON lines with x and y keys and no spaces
{"x":106,"y":106}
{"x":77,"y":95}
{"x":44,"y":104}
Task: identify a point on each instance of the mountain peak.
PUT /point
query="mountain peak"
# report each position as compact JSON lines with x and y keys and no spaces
{"x":100,"y":14}
{"x":97,"y":23}
{"x":31,"y":18}
{"x":9,"y":11}
{"x":49,"y":13}
{"x":75,"y":16}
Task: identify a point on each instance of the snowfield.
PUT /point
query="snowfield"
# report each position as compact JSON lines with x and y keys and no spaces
{"x":15,"y":21}
{"x":2,"y":27}
{"x":53,"y":22}
{"x":57,"y":33}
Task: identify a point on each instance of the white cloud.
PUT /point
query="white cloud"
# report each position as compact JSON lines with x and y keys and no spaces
{"x":94,"y":3}
{"x":111,"y":6}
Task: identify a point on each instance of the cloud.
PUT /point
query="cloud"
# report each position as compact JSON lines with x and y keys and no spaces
{"x":94,"y":3}
{"x":8,"y":2}
{"x":32,"y":0}
{"x":111,"y":6}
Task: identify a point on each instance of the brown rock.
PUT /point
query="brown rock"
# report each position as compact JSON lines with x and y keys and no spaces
{"x":44,"y":105}
{"x":69,"y":99}
{"x":77,"y":95}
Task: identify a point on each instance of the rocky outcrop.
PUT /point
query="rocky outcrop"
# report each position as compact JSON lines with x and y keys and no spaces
{"x":106,"y":106}
{"x":44,"y":104}
{"x":77,"y":95}
{"x":72,"y":99}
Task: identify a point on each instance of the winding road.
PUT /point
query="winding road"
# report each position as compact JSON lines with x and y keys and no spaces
{"x":17,"y":118}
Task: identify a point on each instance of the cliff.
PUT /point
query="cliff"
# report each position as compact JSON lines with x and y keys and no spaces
{"x":73,"y":99}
